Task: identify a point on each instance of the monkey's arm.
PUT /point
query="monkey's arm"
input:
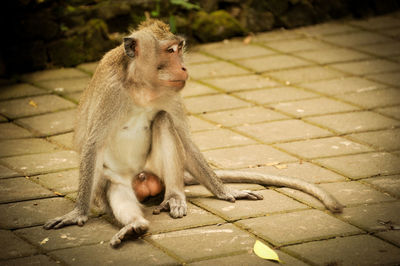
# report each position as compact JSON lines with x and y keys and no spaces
{"x":197,"y":166}
{"x":234,"y":176}
{"x":79,"y":214}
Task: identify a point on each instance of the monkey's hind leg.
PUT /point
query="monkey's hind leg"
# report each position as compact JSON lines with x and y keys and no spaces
{"x":127,"y":211}
{"x":167,"y":161}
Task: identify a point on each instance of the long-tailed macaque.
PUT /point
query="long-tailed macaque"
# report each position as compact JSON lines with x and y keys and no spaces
{"x":131,"y":120}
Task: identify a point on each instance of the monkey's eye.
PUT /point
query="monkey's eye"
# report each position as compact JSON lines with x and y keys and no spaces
{"x":170,"y":50}
{"x":159,"y":67}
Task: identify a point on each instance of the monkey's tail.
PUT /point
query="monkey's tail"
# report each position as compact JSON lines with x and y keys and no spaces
{"x":233,"y":176}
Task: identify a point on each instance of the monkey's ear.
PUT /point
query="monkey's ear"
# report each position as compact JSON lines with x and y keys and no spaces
{"x":130,"y":46}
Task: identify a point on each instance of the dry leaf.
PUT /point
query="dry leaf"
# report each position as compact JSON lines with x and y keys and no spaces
{"x":44,"y":241}
{"x":265,"y":252}
{"x":32,"y":103}
{"x":272,"y":163}
{"x":58,"y":193}
{"x":281,"y":166}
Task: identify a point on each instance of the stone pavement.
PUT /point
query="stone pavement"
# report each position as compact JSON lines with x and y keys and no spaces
{"x":320,"y":103}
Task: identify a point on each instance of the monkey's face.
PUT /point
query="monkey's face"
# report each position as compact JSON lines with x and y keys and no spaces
{"x":171,"y":71}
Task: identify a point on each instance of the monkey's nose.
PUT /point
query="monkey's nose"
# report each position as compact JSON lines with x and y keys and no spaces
{"x":184,"y":69}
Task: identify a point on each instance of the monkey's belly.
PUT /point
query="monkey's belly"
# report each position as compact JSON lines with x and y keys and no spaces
{"x":128,"y":147}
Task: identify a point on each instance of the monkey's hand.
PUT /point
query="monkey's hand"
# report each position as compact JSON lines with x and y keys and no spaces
{"x":73,"y":217}
{"x":175,"y":204}
{"x":232,"y":195}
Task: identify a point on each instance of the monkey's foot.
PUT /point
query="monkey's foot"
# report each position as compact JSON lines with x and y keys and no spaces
{"x":241,"y":194}
{"x":73,"y":217}
{"x":139,"y":227}
{"x":175,"y":205}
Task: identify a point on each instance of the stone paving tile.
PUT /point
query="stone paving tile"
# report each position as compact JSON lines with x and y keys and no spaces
{"x":249,"y":258}
{"x":12,"y":131}
{"x":12,"y":247}
{"x":315,"y":106}
{"x":246,"y":156}
{"x":197,"y":124}
{"x":50,"y":124}
{"x":393,"y":111}
{"x":390,"y":184}
{"x":215,"y":69}
{"x":239,"y":83}
{"x":75,"y":97}
{"x":195,"y":217}
{"x":93,"y":232}
{"x":43,"y":162}
{"x":391,"y":236}
{"x":324,"y":147}
{"x":354,"y":122}
{"x":20,"y":188}
{"x":295,"y":46}
{"x":392,"y":78}
{"x":32,"y":260}
{"x":276,"y":35}
{"x":3,"y":119}
{"x":193,"y":57}
{"x":302,"y":170}
{"x":64,"y":86}
{"x":274,"y":62}
{"x":374,"y":23}
{"x":194,"y":88}
{"x":130,"y":253}
{"x":31,"y":213}
{"x":34,"y":106}
{"x":382,"y":140}
{"x":220,"y":138}
{"x":244,"y":116}
{"x":277,"y":131}
{"x":25,"y":146}
{"x":352,"y":250}
{"x":65,"y":140}
{"x":297,"y":227}
{"x":305,"y":74}
{"x":329,"y":28}
{"x":382,"y":49}
{"x":199,"y":191}
{"x":20,"y":90}
{"x":6,"y":172}
{"x":274,"y":95}
{"x":242,"y":209}
{"x":363,"y":165}
{"x":303,"y":197}
{"x":62,"y":73}
{"x":205,"y":242}
{"x":202,"y":104}
{"x":64,"y":182}
{"x":343,"y":85}
{"x":373,"y":98}
{"x":88,"y":67}
{"x":242,"y":51}
{"x":353,"y":39}
{"x":355,"y":193}
{"x":376,"y":217}
{"x":367,"y":67}
{"x":332,"y":55}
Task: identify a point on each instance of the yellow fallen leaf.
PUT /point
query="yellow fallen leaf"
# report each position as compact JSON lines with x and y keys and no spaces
{"x":58,"y":193}
{"x":265,"y":252}
{"x":32,"y":103}
{"x":44,"y":241}
{"x":272,"y":163}
{"x":248,"y":39}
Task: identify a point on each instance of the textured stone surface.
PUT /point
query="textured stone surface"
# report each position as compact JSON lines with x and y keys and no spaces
{"x":32,"y":260}
{"x":204,"y":104}
{"x":12,"y":131}
{"x":12,"y":246}
{"x":383,"y":140}
{"x":19,"y":90}
{"x":65,"y":86}
{"x":305,"y":74}
{"x":63,"y":140}
{"x":342,"y":250}
{"x":25,"y":146}
{"x":373,"y":98}
{"x":241,"y":209}
{"x":389,"y":184}
{"x":7,"y":172}
{"x":53,"y":74}
{"x":239,"y":83}
{"x":296,"y":227}
{"x":219,"y":139}
{"x":17,"y":189}
{"x":61,"y":182}
{"x":270,"y":63}
{"x":215,"y":69}
{"x":332,"y":55}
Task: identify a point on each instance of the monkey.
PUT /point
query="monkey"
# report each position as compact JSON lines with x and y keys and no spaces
{"x":131,"y":119}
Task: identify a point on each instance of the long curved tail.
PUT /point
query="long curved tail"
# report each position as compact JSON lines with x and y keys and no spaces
{"x":234,"y":176}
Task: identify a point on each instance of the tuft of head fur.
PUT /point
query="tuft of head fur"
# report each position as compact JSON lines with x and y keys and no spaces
{"x":160,"y":30}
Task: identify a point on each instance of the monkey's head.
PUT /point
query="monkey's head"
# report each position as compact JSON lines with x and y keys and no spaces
{"x":155,"y":59}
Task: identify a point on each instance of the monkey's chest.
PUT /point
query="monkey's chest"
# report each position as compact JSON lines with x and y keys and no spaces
{"x":128,"y":147}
